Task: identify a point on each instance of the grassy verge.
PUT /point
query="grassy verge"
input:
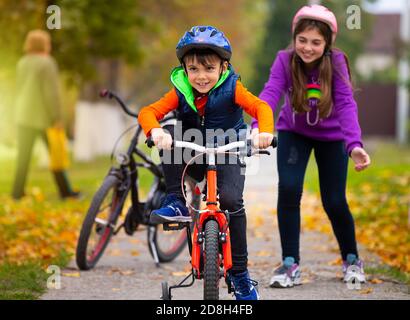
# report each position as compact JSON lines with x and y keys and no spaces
{"x":21,"y":282}
{"x":26,"y":281}
{"x":390,"y":272}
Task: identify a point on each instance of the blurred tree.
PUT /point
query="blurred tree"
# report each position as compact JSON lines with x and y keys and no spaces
{"x":94,"y":38}
{"x":278,"y":36}
{"x":240,"y":20}
{"x":126,"y":45}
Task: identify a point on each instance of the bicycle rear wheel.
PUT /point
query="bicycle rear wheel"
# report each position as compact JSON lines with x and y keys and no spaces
{"x":211,"y":261}
{"x":99,"y":223}
{"x":169,"y":244}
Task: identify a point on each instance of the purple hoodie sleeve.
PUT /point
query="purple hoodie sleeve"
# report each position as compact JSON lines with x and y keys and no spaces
{"x":345,"y":105}
{"x":274,"y":87}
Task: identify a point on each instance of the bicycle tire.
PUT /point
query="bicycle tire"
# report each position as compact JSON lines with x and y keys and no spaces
{"x":211,"y":261}
{"x":168,"y":255}
{"x":83,"y":261}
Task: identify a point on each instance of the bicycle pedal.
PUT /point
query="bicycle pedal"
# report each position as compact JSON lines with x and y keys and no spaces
{"x":172,"y":226}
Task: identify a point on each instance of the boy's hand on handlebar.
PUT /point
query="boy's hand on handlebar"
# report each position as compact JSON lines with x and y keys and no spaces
{"x":262,"y":140}
{"x":161,"y":139}
{"x":254,"y":132}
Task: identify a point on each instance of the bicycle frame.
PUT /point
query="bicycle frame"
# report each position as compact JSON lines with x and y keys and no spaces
{"x":212,"y":210}
{"x":128,"y":166}
{"x":127,"y":173}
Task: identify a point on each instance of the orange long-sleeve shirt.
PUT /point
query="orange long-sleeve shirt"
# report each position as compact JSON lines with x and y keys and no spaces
{"x":151,"y":114}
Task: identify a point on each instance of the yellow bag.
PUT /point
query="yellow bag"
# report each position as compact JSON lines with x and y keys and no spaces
{"x":57,"y":146}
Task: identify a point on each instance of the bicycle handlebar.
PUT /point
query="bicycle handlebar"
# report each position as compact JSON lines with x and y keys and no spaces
{"x":196,"y":147}
{"x":221,"y":149}
{"x":108,"y":94}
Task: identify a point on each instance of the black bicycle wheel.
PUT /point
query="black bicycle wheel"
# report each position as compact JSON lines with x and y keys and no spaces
{"x":169,"y":244}
{"x":211,"y":261}
{"x":96,"y":230}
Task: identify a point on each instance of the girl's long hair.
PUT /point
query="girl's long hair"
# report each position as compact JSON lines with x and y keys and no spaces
{"x":298,"y":94}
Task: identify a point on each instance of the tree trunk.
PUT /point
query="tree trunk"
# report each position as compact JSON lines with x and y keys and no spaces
{"x":107,"y":77}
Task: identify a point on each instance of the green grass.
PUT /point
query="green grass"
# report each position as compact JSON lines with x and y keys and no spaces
{"x":388,"y":159}
{"x":21,"y":282}
{"x":390,"y":272}
{"x":28,"y":281}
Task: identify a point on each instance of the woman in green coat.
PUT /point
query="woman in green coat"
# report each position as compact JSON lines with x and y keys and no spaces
{"x":38,"y":107}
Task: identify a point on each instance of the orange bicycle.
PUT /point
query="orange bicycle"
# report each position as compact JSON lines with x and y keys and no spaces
{"x":210,"y":248}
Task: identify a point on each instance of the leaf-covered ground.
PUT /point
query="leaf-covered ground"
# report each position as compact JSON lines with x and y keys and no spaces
{"x":40,"y":229}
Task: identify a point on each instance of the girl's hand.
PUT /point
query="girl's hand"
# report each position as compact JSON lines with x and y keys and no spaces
{"x":161,"y":139}
{"x":262,"y":140}
{"x":360,"y":158}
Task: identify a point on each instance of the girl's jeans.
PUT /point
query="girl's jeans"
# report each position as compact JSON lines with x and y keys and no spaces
{"x":332,"y":162}
{"x":230,"y":189}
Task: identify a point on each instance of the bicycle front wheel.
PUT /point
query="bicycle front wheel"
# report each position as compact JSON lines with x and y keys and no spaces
{"x":211,"y":261}
{"x":99,"y":223}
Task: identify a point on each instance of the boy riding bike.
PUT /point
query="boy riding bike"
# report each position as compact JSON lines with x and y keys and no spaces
{"x":208,"y":95}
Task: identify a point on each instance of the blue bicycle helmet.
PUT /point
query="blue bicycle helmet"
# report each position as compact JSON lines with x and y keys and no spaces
{"x":204,"y":37}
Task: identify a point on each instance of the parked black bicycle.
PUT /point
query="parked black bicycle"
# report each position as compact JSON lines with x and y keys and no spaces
{"x":120,"y":184}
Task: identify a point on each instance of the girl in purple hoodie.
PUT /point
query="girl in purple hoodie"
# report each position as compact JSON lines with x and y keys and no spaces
{"x":319,"y":114}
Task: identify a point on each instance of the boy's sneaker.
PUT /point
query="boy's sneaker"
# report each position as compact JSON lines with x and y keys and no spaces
{"x":172,"y":210}
{"x":353,"y":269}
{"x":287,"y":275}
{"x":244,"y":287}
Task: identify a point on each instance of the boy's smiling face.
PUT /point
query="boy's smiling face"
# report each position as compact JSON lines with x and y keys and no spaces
{"x":203,"y":76}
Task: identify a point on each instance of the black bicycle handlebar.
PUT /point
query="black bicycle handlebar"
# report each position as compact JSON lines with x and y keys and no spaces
{"x":108,"y":94}
{"x":150,"y":143}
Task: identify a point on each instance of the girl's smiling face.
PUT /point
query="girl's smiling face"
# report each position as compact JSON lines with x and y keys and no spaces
{"x":204,"y":76}
{"x":309,"y":45}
